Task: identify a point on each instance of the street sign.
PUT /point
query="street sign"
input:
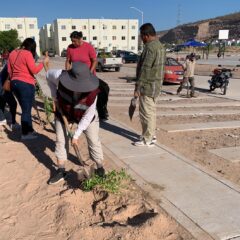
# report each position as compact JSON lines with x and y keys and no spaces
{"x":223,"y":34}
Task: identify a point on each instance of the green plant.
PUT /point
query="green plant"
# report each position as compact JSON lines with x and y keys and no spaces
{"x":111,"y":182}
{"x":39,"y":91}
{"x":48,"y":107}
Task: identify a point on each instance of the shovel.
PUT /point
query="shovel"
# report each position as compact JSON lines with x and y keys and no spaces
{"x":132,"y":107}
{"x":87,"y":168}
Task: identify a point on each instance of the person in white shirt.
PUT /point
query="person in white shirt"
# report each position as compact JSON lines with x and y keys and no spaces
{"x":75,"y":95}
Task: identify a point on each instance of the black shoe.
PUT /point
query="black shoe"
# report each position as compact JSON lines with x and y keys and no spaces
{"x":60,"y":176}
{"x":103,"y":119}
{"x":100,"y":172}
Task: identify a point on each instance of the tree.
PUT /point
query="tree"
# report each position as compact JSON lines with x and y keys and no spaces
{"x":9,"y":40}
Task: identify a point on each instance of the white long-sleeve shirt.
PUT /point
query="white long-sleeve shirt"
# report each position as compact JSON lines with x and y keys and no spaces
{"x":53,"y":81}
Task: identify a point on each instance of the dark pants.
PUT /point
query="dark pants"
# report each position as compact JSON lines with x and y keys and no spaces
{"x":184,"y":82}
{"x":103,"y":100}
{"x":24,"y":93}
{"x":8,"y":98}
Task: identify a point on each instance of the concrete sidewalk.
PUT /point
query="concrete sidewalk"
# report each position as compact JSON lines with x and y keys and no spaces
{"x":207,"y":206}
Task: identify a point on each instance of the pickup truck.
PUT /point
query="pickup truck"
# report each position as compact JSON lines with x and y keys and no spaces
{"x":107,"y":61}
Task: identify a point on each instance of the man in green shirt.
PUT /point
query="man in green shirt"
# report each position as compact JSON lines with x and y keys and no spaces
{"x":150,"y":73}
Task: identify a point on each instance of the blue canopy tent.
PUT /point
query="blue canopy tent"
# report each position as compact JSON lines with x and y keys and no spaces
{"x":193,"y":43}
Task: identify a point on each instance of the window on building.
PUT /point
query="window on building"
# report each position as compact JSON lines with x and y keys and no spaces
{"x":19,"y":26}
{"x":7,"y":26}
{"x":114,"y":38}
{"x":133,"y":27}
{"x":114,"y":27}
{"x":93,"y":26}
{"x":94,"y":38}
{"x":31,"y":26}
{"x":73,"y":27}
{"x":132,"y":48}
{"x":85,"y":27}
{"x":123,"y":27}
{"x":104,"y":37}
{"x":64,"y":39}
{"x":133,"y":38}
{"x":104,"y":26}
{"x":63,"y":27}
{"x":123,"y":38}
{"x":84,"y":38}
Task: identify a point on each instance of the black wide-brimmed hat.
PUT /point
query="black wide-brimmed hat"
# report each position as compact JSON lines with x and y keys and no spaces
{"x":79,"y":78}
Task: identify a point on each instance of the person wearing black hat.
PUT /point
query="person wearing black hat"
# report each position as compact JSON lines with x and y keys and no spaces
{"x":75,"y":93}
{"x":188,"y":76}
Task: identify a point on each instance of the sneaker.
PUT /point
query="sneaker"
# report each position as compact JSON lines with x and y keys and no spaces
{"x":154,"y":139}
{"x":100,"y":172}
{"x":142,"y":143}
{"x":15,"y":126}
{"x":150,"y":144}
{"x":3,"y":122}
{"x":60,"y":176}
{"x":29,"y":136}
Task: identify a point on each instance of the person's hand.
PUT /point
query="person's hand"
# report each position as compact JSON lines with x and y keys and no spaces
{"x":136,"y":94}
{"x":74,"y":141}
{"x":46,"y":63}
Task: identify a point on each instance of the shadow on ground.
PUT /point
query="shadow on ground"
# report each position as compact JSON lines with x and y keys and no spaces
{"x":120,"y":131}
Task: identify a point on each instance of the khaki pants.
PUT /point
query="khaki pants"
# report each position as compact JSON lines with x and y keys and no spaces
{"x":184,"y":82}
{"x":92,"y":136}
{"x":147,"y":112}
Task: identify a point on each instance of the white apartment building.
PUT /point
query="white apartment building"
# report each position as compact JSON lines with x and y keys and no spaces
{"x":108,"y":34}
{"x":26,"y":27}
{"x":46,"y":37}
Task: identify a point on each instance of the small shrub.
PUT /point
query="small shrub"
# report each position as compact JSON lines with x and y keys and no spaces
{"x":48,"y":107}
{"x":111,"y":182}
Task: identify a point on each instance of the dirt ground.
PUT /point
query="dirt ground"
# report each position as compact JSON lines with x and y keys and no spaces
{"x":31,"y":209}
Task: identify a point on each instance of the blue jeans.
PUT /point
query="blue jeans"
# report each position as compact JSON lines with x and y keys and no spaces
{"x":25,"y":94}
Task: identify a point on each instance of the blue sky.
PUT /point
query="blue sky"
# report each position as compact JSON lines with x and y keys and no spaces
{"x":162,"y":13}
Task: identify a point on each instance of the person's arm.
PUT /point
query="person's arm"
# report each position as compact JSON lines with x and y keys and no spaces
{"x":33,"y":68}
{"x":93,"y":58}
{"x":52,"y":77}
{"x":85,"y":121}
{"x":93,"y":65}
{"x":46,"y":63}
{"x":68,"y":62}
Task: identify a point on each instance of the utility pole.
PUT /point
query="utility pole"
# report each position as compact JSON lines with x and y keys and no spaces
{"x":179,"y":14}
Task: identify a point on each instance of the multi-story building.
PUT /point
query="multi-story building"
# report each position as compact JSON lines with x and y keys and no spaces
{"x":107,"y":34}
{"x":26,"y":27}
{"x":46,"y":38}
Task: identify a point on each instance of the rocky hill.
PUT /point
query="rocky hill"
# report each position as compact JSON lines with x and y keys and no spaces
{"x":203,"y":30}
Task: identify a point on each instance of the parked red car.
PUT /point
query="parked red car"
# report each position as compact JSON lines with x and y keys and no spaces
{"x":173,"y":71}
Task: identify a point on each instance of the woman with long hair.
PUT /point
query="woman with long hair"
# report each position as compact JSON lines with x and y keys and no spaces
{"x":21,"y":69}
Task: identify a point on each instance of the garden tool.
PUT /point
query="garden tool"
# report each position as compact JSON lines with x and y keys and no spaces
{"x":132,"y":107}
{"x":87,"y":168}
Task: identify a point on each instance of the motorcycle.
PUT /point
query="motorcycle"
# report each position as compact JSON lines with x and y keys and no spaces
{"x":220,"y":79}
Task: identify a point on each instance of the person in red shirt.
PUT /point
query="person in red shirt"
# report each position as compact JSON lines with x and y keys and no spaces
{"x":80,"y":51}
{"x":21,"y":69}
